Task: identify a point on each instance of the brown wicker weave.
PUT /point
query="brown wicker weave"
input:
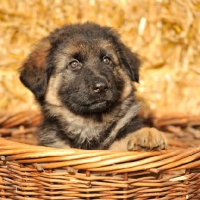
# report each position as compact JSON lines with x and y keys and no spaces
{"x":40,"y":173}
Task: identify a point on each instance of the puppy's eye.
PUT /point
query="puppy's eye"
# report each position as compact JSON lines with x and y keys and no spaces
{"x":75,"y":64}
{"x":106,"y":60}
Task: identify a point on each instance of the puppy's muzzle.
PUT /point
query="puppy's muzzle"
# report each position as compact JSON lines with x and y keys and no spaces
{"x":100,"y":86}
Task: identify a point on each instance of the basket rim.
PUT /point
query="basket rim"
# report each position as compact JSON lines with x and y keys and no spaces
{"x":104,"y":161}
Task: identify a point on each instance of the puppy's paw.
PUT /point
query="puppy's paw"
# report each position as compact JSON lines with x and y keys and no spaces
{"x":147,"y":139}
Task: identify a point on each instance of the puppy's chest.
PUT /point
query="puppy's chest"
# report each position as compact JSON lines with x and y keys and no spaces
{"x":85,"y":130}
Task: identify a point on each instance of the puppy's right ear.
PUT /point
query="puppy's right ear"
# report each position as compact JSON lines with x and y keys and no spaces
{"x":34,"y":72}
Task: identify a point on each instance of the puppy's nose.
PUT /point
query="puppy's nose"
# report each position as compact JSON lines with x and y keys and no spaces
{"x":100,"y":86}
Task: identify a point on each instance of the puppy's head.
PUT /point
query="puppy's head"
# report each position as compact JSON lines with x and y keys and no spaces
{"x":85,"y":68}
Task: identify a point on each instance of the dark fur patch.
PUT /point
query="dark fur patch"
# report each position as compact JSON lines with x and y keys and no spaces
{"x":82,"y":75}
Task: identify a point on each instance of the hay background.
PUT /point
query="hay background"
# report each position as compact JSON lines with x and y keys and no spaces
{"x":166,"y":34}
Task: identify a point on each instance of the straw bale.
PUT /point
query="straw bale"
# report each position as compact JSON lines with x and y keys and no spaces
{"x":166,"y":35}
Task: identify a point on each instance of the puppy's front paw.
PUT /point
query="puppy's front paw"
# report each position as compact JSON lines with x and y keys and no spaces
{"x":147,"y":139}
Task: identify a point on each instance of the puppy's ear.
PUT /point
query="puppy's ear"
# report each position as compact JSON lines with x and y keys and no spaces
{"x":131,"y":63}
{"x":34,"y":72}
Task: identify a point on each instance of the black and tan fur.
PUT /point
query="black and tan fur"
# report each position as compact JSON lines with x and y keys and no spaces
{"x":82,"y":75}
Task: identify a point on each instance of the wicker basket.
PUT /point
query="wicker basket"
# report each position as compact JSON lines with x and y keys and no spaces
{"x":40,"y":173}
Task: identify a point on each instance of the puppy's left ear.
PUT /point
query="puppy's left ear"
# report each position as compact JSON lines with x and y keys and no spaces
{"x":131,"y":63}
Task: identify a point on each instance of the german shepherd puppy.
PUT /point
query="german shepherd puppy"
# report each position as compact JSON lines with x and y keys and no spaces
{"x":82,"y":75}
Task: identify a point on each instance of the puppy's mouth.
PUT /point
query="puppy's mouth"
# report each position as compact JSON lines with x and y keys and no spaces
{"x":98,"y":106}
{"x":90,"y":103}
{"x":99,"y":103}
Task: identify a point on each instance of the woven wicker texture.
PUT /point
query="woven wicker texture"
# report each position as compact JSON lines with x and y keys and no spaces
{"x":32,"y":172}
{"x":39,"y":173}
